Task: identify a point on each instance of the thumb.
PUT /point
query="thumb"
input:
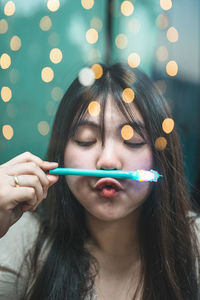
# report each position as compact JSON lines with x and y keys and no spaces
{"x":52,"y":179}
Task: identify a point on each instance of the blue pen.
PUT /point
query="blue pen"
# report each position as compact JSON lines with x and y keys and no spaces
{"x":139,"y":175}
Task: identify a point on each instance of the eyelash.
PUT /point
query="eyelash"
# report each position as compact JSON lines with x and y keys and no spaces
{"x":133,"y":145}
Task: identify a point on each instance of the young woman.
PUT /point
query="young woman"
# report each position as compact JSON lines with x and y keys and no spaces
{"x":88,"y":240}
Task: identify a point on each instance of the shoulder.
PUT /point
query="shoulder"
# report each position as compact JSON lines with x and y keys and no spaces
{"x":14,"y":246}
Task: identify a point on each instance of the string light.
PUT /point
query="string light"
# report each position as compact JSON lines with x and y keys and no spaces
{"x":9,"y":8}
{"x":47,"y":74}
{"x":172,"y":68}
{"x":127,"y":132}
{"x":87,"y":4}
{"x":172,"y":35}
{"x":94,"y":108}
{"x":168,"y":125}
{"x":15,"y":43}
{"x":5,"y":61}
{"x":160,"y":143}
{"x":3,"y":26}
{"x":53,"y":5}
{"x":8,"y":131}
{"x":121,"y":41}
{"x":128,"y":95}
{"x":43,"y":128}
{"x":134,"y":60}
{"x":92,"y":36}
{"x":98,"y":71}
{"x":127,"y":8}
{"x":6,"y":93}
{"x":55,"y":55}
{"x":45,"y":23}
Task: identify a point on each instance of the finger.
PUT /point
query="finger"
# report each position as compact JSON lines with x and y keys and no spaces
{"x":20,"y":195}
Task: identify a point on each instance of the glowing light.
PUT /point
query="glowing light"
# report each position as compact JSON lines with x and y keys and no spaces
{"x":5,"y":61}
{"x":43,"y":127}
{"x":7,"y":132}
{"x":161,"y":85}
{"x":57,"y":93}
{"x":47,"y":74}
{"x":3,"y":26}
{"x":160,"y":143}
{"x":165,"y":4}
{"x":168,"y":125}
{"x":86,"y":77}
{"x":15,"y":43}
{"x":87,"y":4}
{"x":121,"y":41}
{"x":98,"y":71}
{"x":53,"y":5}
{"x":45,"y":23}
{"x":6,"y":93}
{"x":127,"y":132}
{"x":172,"y":68}
{"x":162,"y":53}
{"x":56,"y":55}
{"x":134,"y":60}
{"x":94,"y":108}
{"x":162,"y":21}
{"x":96,"y":23}
{"x":172,"y":35}
{"x":92,"y":36}
{"x":9,"y":8}
{"x":128,"y":95}
{"x":134,"y":25}
{"x":127,"y":8}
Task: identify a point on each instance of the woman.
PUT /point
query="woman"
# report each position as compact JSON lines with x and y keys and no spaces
{"x":138,"y":240}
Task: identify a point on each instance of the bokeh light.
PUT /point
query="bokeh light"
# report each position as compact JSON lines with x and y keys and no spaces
{"x":43,"y":128}
{"x":3,"y":26}
{"x":94,"y":108}
{"x":172,"y":68}
{"x":8,"y":132}
{"x":47,"y":74}
{"x":128,"y":95}
{"x":165,"y":4}
{"x":127,"y":132}
{"x":121,"y":41}
{"x":98,"y":71}
{"x":45,"y":23}
{"x":9,"y":8}
{"x":160,"y":143}
{"x":162,"y":21}
{"x":15,"y":43}
{"x":127,"y":8}
{"x":86,"y":77}
{"x":134,"y":60}
{"x":53,"y":5}
{"x":172,"y":35}
{"x":57,"y":93}
{"x":6,"y":93}
{"x":162,"y":53}
{"x":55,"y":55}
{"x":92,"y":36}
{"x":96,"y":23}
{"x":87,"y":4}
{"x":168,"y":125}
{"x":5,"y":61}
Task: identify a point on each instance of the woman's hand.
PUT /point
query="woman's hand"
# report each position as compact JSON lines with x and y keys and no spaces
{"x":27,"y":170}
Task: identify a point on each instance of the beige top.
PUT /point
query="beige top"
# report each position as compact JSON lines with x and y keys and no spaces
{"x":14,"y":246}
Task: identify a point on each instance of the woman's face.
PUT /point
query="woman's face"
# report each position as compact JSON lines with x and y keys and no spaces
{"x":116,"y":153}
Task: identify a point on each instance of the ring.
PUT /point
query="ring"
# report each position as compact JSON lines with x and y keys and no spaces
{"x":16,"y":181}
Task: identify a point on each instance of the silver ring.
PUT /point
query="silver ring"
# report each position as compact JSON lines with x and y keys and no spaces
{"x":16,"y":181}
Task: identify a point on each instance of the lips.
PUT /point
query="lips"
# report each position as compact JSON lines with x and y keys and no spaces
{"x":108,"y":182}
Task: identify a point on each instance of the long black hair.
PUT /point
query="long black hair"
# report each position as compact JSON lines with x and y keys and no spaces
{"x":168,"y":242}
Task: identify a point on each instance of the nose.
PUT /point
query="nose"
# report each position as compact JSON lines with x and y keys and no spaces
{"x":108,"y":158}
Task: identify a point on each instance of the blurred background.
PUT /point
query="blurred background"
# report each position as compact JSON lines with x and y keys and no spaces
{"x":44,"y":45}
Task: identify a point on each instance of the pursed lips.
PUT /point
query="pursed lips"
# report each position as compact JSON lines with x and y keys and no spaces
{"x":108,"y":182}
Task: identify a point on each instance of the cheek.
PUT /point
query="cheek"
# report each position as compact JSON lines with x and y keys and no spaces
{"x":75,"y":158}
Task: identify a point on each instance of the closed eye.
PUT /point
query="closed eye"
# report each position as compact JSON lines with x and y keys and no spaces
{"x":134,"y":145}
{"x":85,"y":144}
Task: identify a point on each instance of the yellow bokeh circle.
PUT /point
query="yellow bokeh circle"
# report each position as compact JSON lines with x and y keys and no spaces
{"x":87,"y":4}
{"x":134,"y":60}
{"x":43,"y":128}
{"x":94,"y":108}
{"x":128,"y":95}
{"x":8,"y":132}
{"x":15,"y":43}
{"x":92,"y":36}
{"x":127,"y":8}
{"x":127,"y":132}
{"x":45,"y":23}
{"x":172,"y":68}
{"x":9,"y":8}
{"x":5,"y":61}
{"x":121,"y":41}
{"x":53,"y":5}
{"x":3,"y":26}
{"x":168,"y":125}
{"x":6,"y":93}
{"x":47,"y":74}
{"x":55,"y":55}
{"x":160,"y":143}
